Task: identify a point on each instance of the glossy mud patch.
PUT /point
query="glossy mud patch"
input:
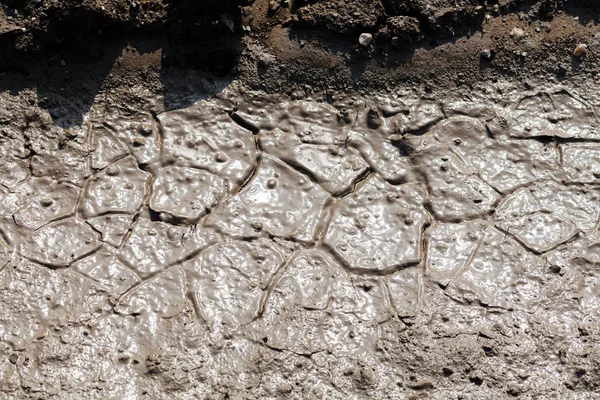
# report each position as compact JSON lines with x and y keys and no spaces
{"x":260,"y":247}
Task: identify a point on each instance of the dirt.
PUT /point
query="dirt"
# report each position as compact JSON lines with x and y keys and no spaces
{"x":230,"y":200}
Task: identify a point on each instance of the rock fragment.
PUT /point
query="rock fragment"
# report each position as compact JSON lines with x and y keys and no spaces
{"x":580,"y":50}
{"x":365,"y":39}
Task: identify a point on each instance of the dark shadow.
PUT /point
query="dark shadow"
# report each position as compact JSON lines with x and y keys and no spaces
{"x":585,"y":10}
{"x":199,"y":57}
{"x":67,"y":88}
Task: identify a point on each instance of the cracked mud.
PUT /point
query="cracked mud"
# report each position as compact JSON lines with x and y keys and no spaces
{"x":301,"y":248}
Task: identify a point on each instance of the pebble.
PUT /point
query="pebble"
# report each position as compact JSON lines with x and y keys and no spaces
{"x":580,"y":50}
{"x":517,"y":33}
{"x":486,"y":54}
{"x":365,"y":39}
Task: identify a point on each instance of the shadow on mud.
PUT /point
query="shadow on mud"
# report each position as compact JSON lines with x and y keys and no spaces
{"x":67,"y":87}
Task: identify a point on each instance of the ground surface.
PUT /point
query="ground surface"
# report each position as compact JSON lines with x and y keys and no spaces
{"x":216,"y":200}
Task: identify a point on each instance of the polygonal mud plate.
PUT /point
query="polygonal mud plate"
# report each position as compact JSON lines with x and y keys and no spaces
{"x":138,"y":130}
{"x":58,"y":201}
{"x":186,"y":193}
{"x":312,"y":279}
{"x":14,"y":162}
{"x":261,"y":112}
{"x":34,"y":298}
{"x":66,"y":164}
{"x":586,"y":249}
{"x":204,"y":138}
{"x":333,"y":167}
{"x":153,"y":246}
{"x":480,"y":111}
{"x":379,"y":226}
{"x":371,"y":300}
{"x":382,"y":156}
{"x":112,"y":227}
{"x":422,"y":115}
{"x":575,"y":203}
{"x":557,"y":114}
{"x":540,"y":232}
{"x":450,"y":247}
{"x":455,"y":192}
{"x":163,"y":295}
{"x":486,"y":275}
{"x":581,"y":162}
{"x":121,"y":188}
{"x":5,"y":254}
{"x":104,"y":268}
{"x":278,"y":201}
{"x":228,"y":281}
{"x":59,"y":244}
{"x":581,"y":258}
{"x":13,"y":172}
{"x":313,"y":306}
{"x":317,"y":122}
{"x":345,"y":334}
{"x":476,"y":263}
{"x":107,"y":148}
{"x":518,"y":203}
{"x":501,"y":162}
{"x":405,"y":291}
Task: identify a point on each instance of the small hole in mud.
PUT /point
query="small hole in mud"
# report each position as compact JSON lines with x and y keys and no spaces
{"x":476,"y":380}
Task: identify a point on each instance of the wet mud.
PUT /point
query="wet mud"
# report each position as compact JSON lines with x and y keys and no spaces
{"x":255,"y":205}
{"x":255,"y":246}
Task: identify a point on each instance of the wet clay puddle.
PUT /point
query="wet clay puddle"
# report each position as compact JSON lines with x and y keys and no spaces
{"x":253,"y":225}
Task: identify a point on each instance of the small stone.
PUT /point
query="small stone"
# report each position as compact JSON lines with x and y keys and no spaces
{"x":145,"y":129}
{"x":486,"y":54}
{"x":373,"y":120}
{"x":274,"y":5}
{"x":517,"y":33}
{"x":265,"y":59}
{"x":581,"y":50}
{"x":365,"y":39}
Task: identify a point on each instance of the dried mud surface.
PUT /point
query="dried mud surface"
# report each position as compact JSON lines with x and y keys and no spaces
{"x":171,"y":229}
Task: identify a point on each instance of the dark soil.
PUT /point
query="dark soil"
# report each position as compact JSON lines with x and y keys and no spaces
{"x":315,"y":42}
